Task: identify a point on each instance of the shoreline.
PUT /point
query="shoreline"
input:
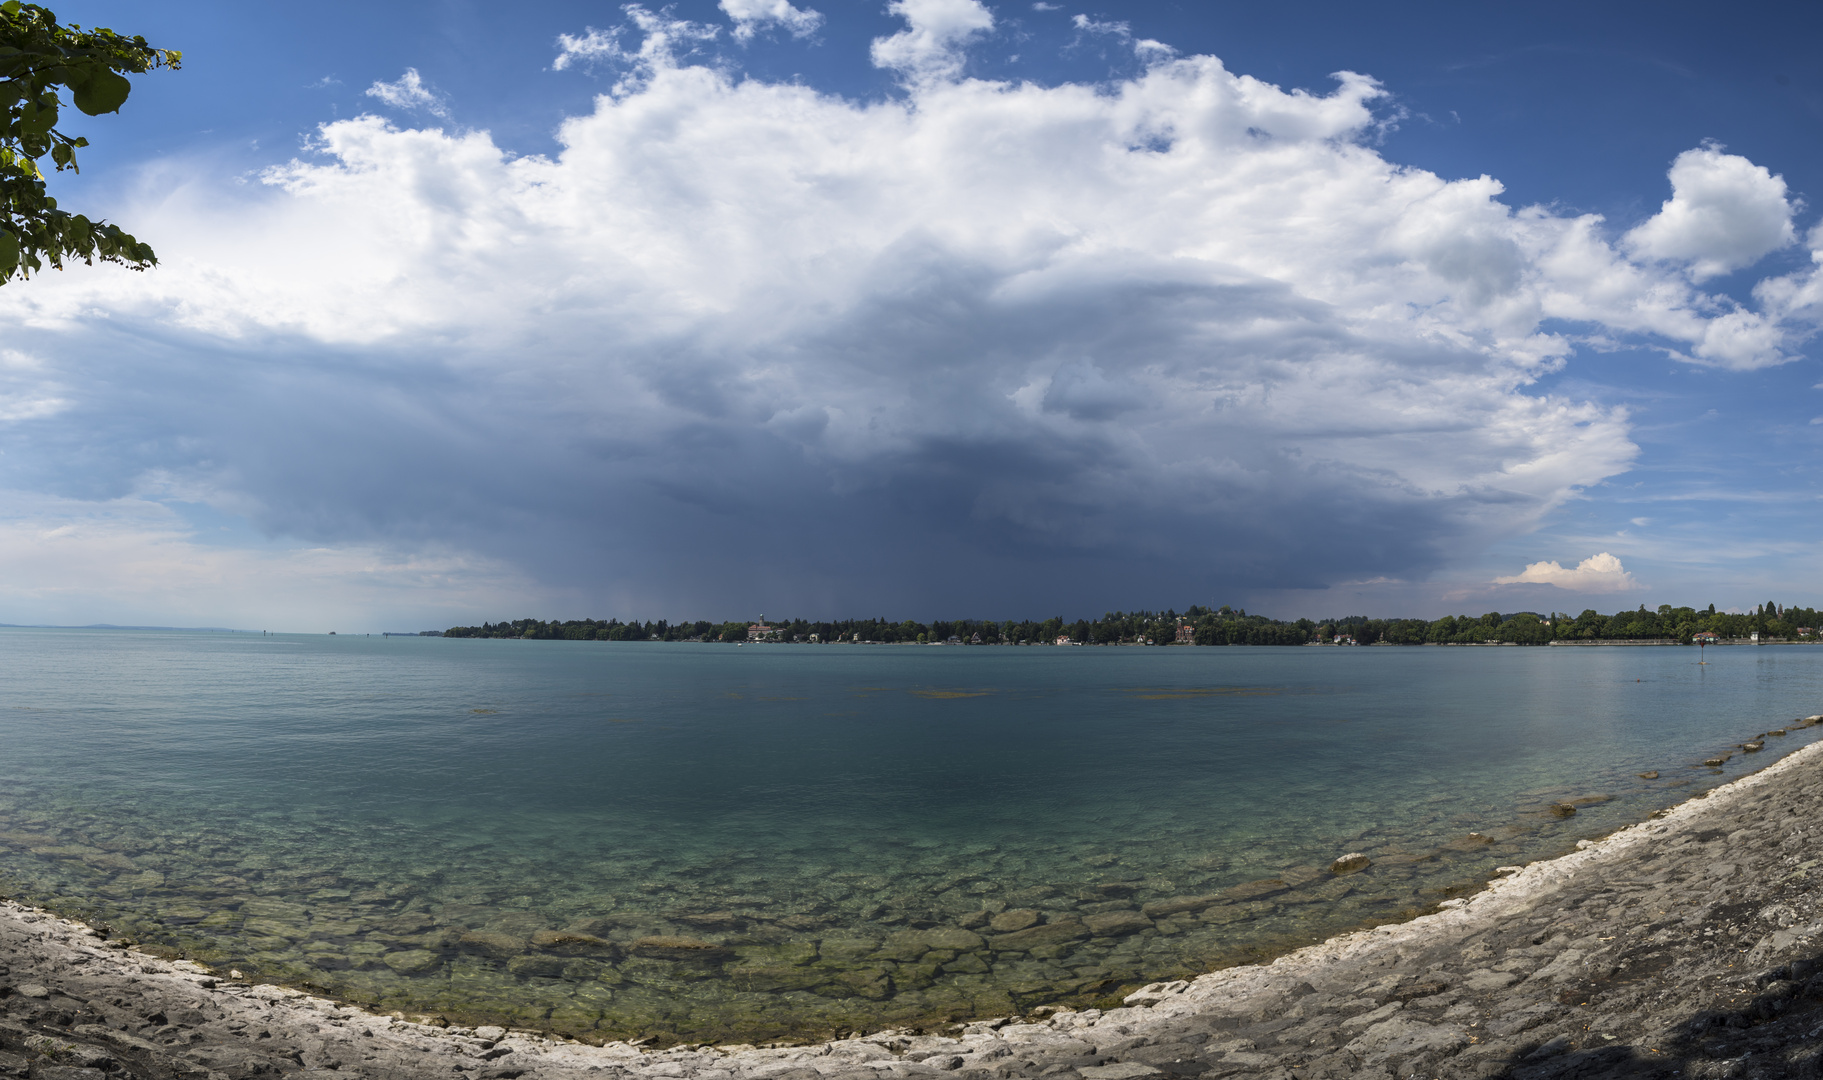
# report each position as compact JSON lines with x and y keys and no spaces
{"x":1650,"y":950}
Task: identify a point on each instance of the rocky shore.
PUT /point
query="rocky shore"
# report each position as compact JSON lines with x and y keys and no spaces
{"x":1690,"y":945}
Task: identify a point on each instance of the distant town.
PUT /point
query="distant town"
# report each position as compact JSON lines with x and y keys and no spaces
{"x":1666,"y":625}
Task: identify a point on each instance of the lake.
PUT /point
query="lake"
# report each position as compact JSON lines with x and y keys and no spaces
{"x":723,"y":843}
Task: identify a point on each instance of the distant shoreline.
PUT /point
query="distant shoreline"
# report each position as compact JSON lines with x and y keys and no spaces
{"x":1196,"y":625}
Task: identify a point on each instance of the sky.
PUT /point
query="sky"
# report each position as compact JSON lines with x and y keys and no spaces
{"x":927,"y":309}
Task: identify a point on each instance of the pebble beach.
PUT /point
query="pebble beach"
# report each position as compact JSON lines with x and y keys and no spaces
{"x":1686,"y":945}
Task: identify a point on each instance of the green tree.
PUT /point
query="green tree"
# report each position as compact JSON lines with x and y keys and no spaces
{"x":39,"y":59}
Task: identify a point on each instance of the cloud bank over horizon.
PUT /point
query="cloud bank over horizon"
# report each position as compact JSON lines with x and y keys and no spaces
{"x":979,"y":348}
{"x":1597,"y":574}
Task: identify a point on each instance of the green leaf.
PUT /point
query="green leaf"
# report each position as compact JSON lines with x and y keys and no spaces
{"x":105,"y":92}
{"x":40,"y":59}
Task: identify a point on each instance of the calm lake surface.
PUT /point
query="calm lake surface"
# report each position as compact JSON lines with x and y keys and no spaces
{"x":727,"y":843}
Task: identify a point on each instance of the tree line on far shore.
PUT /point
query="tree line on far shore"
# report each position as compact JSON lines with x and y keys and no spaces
{"x":1200,"y":626}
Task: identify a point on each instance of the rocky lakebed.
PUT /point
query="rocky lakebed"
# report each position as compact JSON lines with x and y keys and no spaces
{"x":728,"y":948}
{"x":1686,"y":945}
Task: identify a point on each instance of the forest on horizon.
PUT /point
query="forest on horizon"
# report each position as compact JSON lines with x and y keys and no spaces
{"x":1218,"y":626}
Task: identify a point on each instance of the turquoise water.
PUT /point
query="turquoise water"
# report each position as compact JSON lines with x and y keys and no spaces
{"x":708,"y":842}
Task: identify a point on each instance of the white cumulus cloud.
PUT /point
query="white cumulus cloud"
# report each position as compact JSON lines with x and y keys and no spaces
{"x":752,"y":16}
{"x":1148,"y":51}
{"x":1724,"y":213}
{"x":935,"y":35}
{"x":410,"y":93}
{"x":1601,"y":573}
{"x":664,"y":40}
{"x":1797,"y":297}
{"x":1120,"y":29}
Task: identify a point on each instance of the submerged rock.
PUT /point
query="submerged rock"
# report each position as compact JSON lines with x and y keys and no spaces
{"x":665,"y":947}
{"x":874,"y":984}
{"x":952,"y":938}
{"x":329,"y":961}
{"x":1123,"y":1070}
{"x":491,"y":943}
{"x":548,"y":967}
{"x":1253,"y":890}
{"x":788,"y":954}
{"x":777,"y":978}
{"x":1352,"y":863}
{"x":1054,"y":933}
{"x":412,"y":961}
{"x":1299,"y":876}
{"x":1473,"y":841}
{"x":1016,"y":919}
{"x":1116,"y":923}
{"x":1177,"y":905}
{"x":712,"y":920}
{"x":847,"y":949}
{"x":570,"y":941}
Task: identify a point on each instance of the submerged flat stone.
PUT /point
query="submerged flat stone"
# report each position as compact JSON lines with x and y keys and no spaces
{"x":569,"y":940}
{"x":492,"y":943}
{"x":1116,"y":923}
{"x":666,"y":947}
{"x":412,"y":961}
{"x":1177,"y":905}
{"x":1055,"y":933}
{"x":1254,"y":890}
{"x":1126,"y":1070}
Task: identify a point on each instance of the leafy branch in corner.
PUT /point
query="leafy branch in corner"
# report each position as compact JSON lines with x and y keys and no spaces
{"x":39,"y":59}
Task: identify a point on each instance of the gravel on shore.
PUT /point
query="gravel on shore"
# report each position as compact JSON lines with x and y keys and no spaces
{"x":1688,"y":946}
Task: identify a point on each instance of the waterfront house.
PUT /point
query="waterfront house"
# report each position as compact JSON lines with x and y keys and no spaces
{"x":759,"y":631}
{"x":1186,"y":634}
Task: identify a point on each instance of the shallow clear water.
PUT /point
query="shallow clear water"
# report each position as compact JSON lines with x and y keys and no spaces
{"x":720,"y":843}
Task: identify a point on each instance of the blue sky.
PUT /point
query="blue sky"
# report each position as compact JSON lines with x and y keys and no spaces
{"x":935,"y":309}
